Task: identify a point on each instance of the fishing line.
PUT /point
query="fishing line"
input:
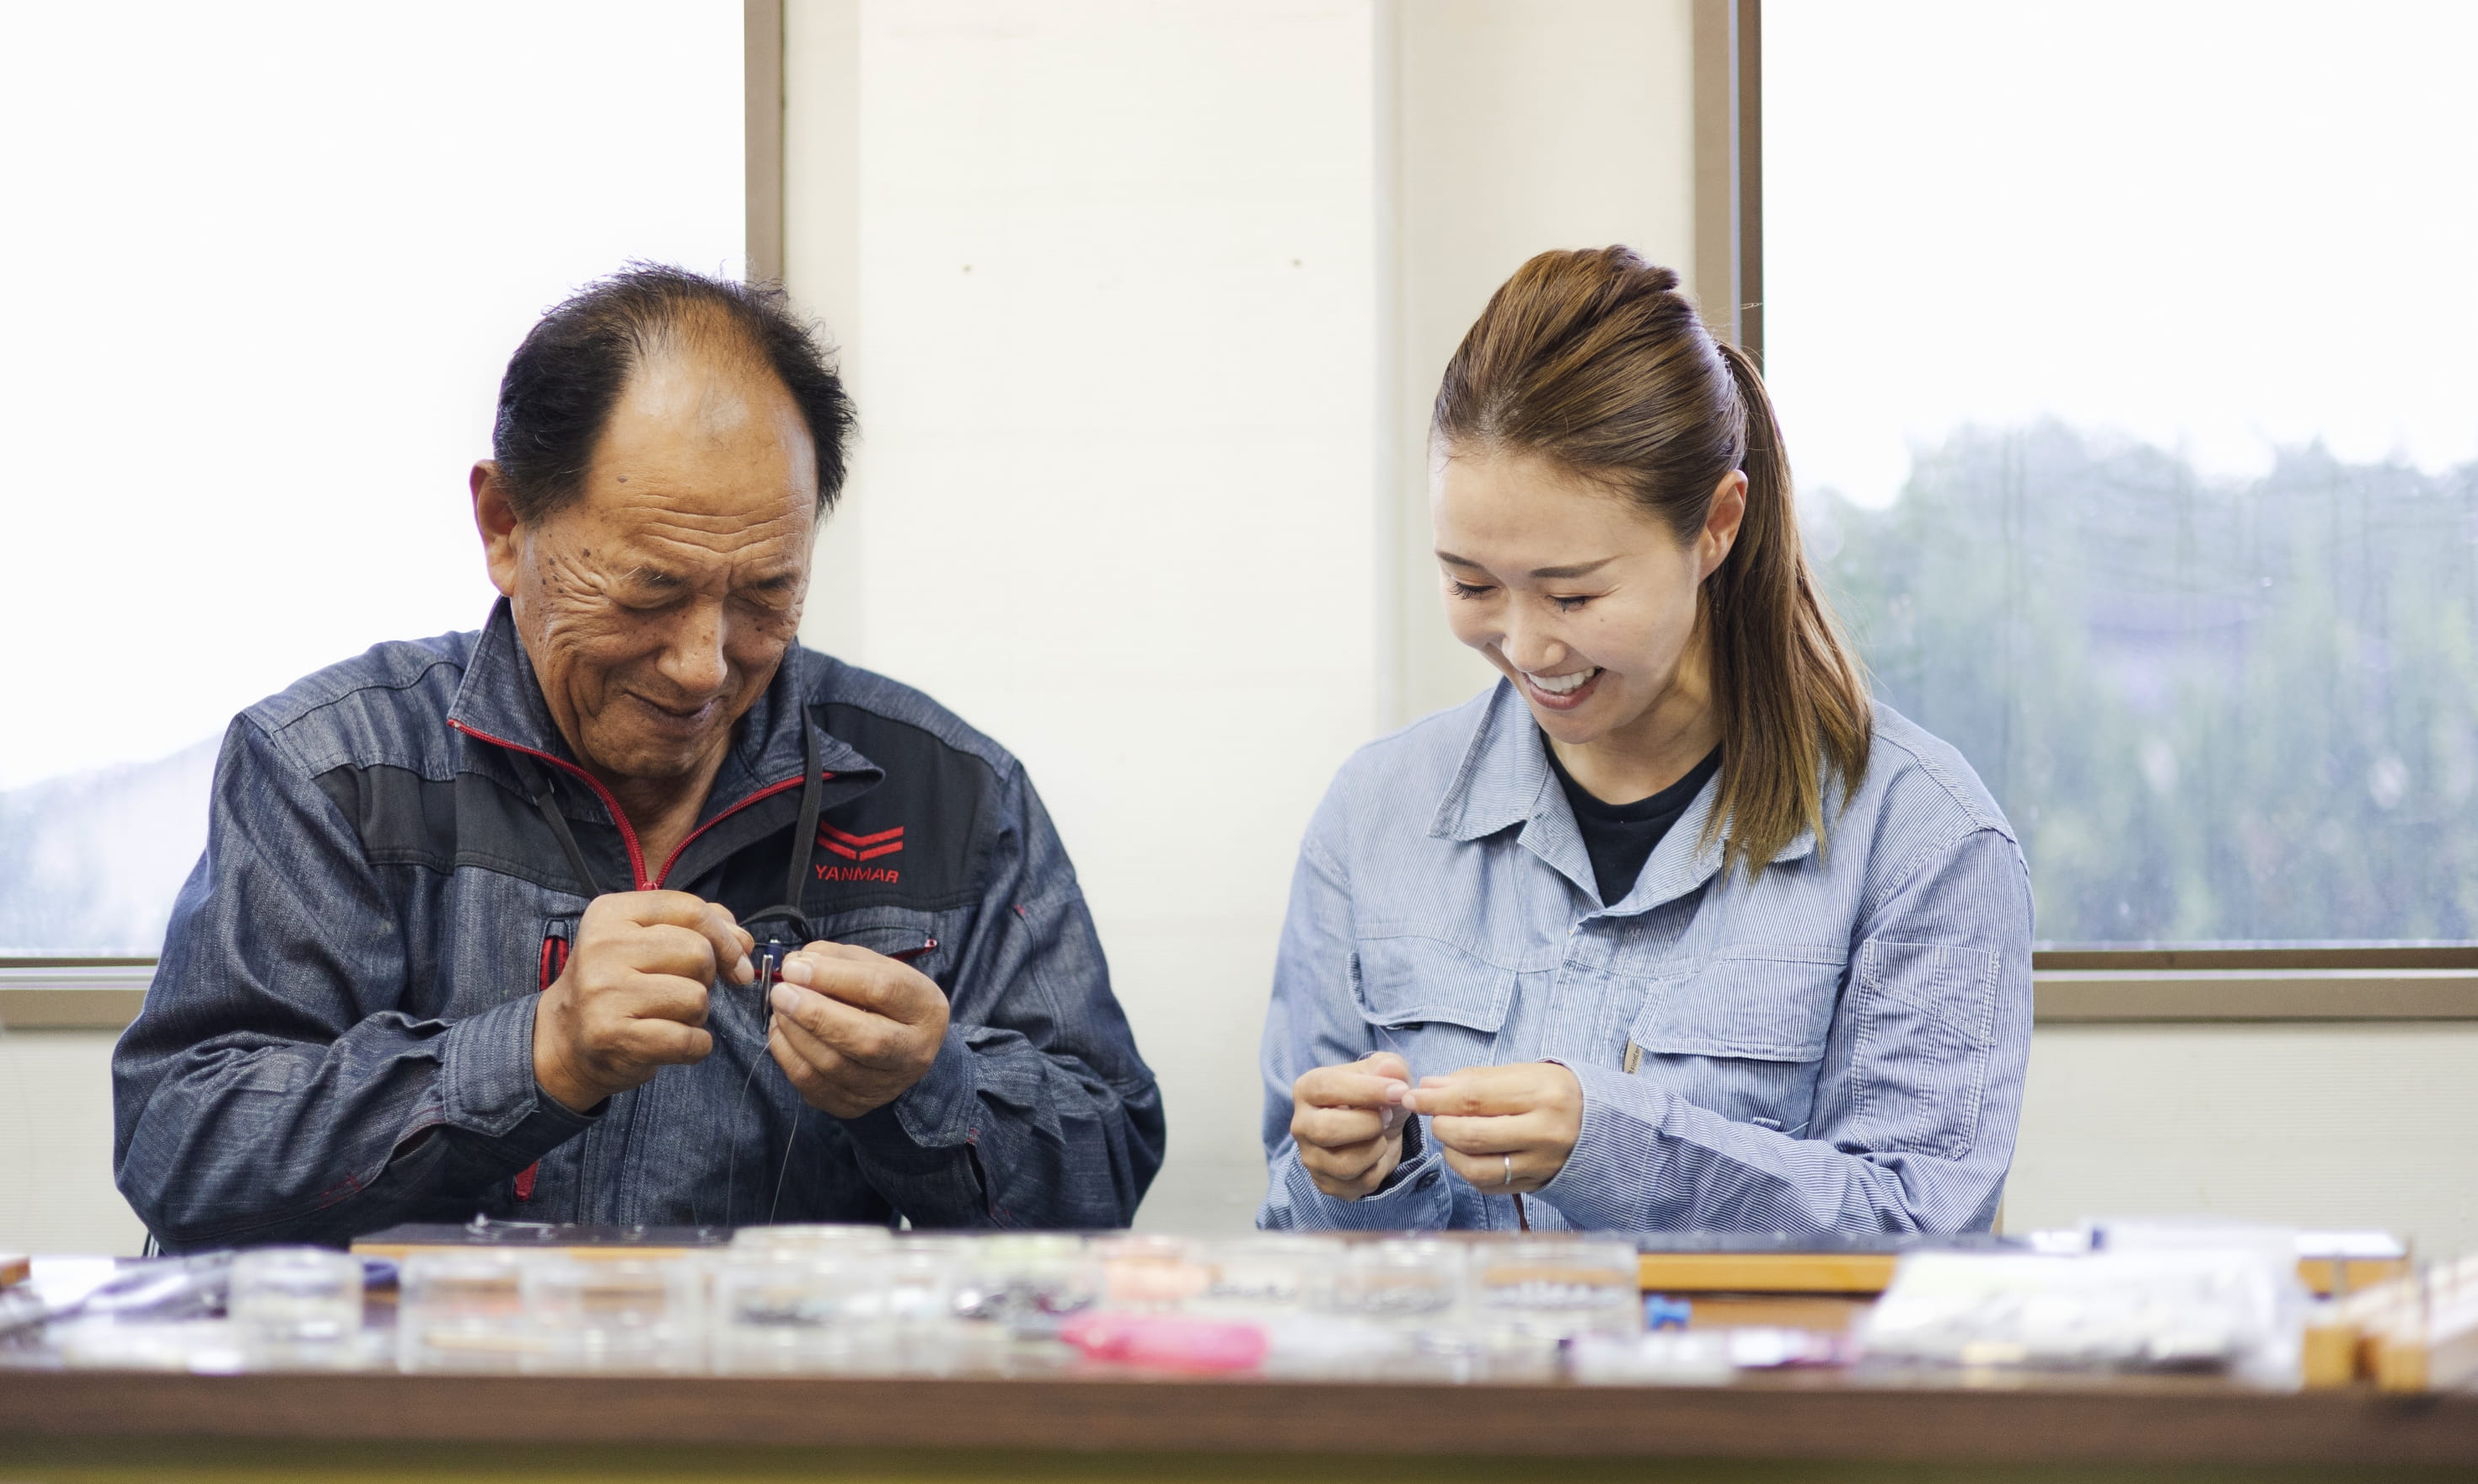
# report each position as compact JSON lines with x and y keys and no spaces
{"x":731,"y":1176}
{"x":798,"y":1111}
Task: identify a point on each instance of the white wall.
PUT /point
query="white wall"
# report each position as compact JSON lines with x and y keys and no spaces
{"x":2311,"y":1124}
{"x":56,"y":1190}
{"x":1114,"y":352}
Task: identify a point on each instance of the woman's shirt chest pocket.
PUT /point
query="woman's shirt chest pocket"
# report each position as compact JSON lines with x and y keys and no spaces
{"x":1742,"y":1036}
{"x":1438,"y":1005}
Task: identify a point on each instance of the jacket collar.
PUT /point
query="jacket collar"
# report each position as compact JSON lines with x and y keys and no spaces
{"x":501,"y":701}
{"x":1505,"y":780}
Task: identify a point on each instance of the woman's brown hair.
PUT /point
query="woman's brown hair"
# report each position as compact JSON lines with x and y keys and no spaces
{"x":1595,"y":360}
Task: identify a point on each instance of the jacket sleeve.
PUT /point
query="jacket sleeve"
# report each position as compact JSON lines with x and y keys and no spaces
{"x":1916,"y":1100}
{"x":1037,"y":1111}
{"x":268,"y":1090}
{"x":1314,"y":1022}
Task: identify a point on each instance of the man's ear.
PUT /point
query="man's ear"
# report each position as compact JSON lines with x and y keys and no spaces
{"x":1721,"y":525}
{"x":494,"y":515}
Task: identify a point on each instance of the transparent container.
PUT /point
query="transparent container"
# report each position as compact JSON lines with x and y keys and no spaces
{"x":615,"y":1315}
{"x":811,"y":1236}
{"x":924,"y":1333}
{"x":1148,"y":1274}
{"x":1416,"y":1291}
{"x":787,"y":1312}
{"x":463,"y":1311}
{"x":298,"y":1308}
{"x":1012,"y":1295}
{"x":861,"y":1313}
{"x":1027,"y":1282}
{"x":1409,"y":1283}
{"x":1531,"y":1296}
{"x":1263,"y":1277}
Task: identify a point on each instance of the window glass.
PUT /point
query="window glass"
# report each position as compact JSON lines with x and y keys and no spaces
{"x":2123,"y":355}
{"x":267,"y":262}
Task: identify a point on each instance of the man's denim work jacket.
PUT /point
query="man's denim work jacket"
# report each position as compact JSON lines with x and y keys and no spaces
{"x":340,"y":1035}
{"x":1836,"y":1047}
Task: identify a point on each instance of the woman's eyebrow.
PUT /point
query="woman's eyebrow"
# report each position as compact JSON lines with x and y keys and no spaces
{"x":1581,"y":570}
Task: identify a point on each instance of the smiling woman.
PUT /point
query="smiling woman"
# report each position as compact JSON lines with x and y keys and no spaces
{"x":1671,"y":928}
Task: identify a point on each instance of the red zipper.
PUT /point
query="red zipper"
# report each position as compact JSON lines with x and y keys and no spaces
{"x":767,"y":791}
{"x":554,"y":962}
{"x":620,"y":816}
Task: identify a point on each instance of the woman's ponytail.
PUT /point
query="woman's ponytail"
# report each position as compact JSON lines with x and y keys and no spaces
{"x":1782,"y":672}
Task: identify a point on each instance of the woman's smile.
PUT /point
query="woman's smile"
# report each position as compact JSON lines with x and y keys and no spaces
{"x":1561,"y":693}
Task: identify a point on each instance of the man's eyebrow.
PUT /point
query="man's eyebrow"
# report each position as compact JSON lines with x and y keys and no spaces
{"x":654,"y":577}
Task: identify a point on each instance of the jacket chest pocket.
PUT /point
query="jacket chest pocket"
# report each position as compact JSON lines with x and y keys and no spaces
{"x":1743,"y":1037}
{"x":1437,"y":1006}
{"x":905,"y":936}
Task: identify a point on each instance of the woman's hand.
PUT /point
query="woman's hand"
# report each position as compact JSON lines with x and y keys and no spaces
{"x":1348,"y":1122}
{"x":1490,"y":1120}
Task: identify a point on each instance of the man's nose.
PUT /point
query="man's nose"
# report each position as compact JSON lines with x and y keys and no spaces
{"x":694,"y":659}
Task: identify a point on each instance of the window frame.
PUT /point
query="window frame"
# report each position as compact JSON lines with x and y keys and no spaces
{"x":42,"y":993}
{"x":2097,"y":984}
{"x":2101,"y":983}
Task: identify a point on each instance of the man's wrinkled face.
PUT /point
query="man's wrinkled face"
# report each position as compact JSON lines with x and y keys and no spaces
{"x":656,"y":606}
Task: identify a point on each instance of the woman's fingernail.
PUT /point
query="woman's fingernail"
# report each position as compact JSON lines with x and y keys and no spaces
{"x":796,"y":968}
{"x":1394,"y":1092}
{"x":781,"y":998}
{"x":746,"y":970}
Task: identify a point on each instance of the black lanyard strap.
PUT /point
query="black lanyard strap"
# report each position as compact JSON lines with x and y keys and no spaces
{"x":538,"y":784}
{"x":805,"y":840}
{"x":796,"y":880}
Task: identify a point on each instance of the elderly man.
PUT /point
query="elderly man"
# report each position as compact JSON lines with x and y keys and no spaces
{"x":627,"y":908}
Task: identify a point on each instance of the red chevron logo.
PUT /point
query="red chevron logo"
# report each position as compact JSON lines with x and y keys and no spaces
{"x":860,"y":847}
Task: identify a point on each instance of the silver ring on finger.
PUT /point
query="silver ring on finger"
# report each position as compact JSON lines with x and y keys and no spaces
{"x":1508,"y":1182}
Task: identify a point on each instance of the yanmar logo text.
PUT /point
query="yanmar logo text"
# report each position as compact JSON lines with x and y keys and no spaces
{"x":857,"y":849}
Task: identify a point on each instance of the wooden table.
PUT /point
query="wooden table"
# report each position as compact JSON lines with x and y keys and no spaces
{"x":91,"y":1427}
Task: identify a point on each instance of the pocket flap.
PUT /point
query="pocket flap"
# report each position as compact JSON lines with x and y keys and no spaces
{"x":1414,"y":981}
{"x":1765,"y":1009}
{"x":909,"y":936}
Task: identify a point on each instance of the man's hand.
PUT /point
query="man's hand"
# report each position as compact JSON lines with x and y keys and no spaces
{"x":1531,"y":1111}
{"x":632,"y":997}
{"x":1348,"y":1122}
{"x":853,"y":1029}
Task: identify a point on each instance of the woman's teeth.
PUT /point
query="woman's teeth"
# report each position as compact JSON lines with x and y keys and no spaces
{"x":1562,"y":685}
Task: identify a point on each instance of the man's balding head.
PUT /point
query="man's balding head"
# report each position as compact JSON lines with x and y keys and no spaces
{"x":562,"y":383}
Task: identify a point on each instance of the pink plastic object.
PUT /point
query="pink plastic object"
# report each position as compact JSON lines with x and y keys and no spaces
{"x":1166,"y":1341}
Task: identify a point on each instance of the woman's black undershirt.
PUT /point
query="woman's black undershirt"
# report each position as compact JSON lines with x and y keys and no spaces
{"x":1620,"y":837}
